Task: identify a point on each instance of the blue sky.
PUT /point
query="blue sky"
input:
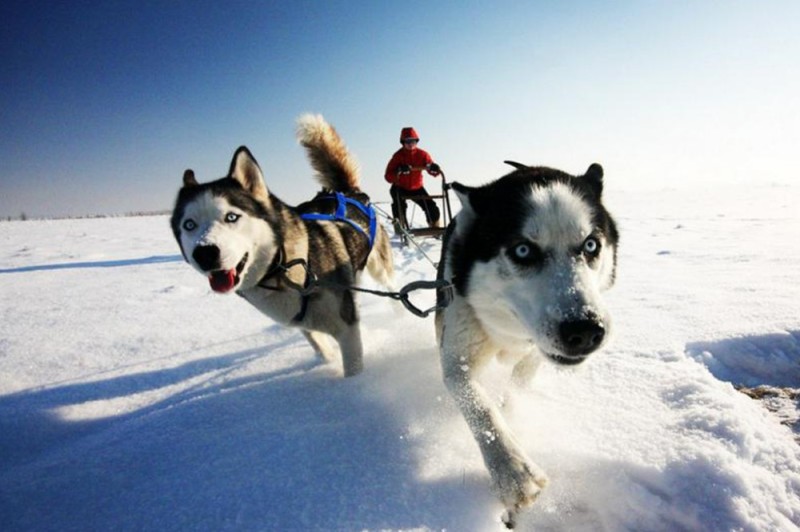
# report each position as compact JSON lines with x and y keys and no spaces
{"x":104,"y":104}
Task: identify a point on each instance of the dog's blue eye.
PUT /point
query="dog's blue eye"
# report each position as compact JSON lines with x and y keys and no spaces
{"x":232,"y":217}
{"x":591,"y":246}
{"x":522,"y":251}
{"x":189,"y":225}
{"x":525,"y":253}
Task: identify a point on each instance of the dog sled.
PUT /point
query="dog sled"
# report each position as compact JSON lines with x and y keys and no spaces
{"x":406,"y":227}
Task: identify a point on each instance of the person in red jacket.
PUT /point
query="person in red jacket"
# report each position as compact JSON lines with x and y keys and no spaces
{"x":404,"y":172}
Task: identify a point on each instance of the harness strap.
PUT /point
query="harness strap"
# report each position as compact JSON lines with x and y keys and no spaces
{"x":304,"y":297}
{"x":279,"y":268}
{"x":275,"y":268}
{"x":445,"y":290}
{"x":340,"y":215}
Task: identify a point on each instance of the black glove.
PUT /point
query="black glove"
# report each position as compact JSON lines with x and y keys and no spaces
{"x":434,"y":169}
{"x":404,"y":169}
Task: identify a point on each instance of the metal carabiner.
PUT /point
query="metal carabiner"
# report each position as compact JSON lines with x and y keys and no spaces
{"x":443,"y":288}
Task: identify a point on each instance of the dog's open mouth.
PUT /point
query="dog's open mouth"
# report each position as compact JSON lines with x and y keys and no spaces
{"x":225,"y":280}
{"x":567,"y":360}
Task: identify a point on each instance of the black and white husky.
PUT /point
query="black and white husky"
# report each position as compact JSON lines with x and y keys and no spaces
{"x":528,"y":256}
{"x":294,"y":264}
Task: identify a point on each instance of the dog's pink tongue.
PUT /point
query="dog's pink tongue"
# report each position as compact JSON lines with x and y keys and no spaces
{"x":222,"y":281}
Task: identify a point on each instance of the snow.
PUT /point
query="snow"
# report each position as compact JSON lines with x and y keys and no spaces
{"x":134,"y":398}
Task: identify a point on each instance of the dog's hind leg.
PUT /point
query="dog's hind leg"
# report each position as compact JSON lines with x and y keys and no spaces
{"x":380,"y":266}
{"x":380,"y":263}
{"x":348,"y":334}
{"x":321,"y":344}
{"x":352,"y":350}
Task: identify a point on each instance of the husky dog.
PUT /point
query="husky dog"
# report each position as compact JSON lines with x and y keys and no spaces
{"x":294,"y":264}
{"x":528,"y":256}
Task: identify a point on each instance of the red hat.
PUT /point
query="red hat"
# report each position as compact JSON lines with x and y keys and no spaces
{"x":408,"y":133}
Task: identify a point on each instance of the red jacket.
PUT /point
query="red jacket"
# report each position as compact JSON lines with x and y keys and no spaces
{"x":417,"y":159}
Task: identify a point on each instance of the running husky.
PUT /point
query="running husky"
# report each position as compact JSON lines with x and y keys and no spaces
{"x":528,"y":256}
{"x":294,"y":264}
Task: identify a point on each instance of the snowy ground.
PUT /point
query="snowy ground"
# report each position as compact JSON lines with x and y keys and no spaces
{"x":133,"y":398}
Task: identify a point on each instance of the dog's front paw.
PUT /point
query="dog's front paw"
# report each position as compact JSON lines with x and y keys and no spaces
{"x":524,"y":372}
{"x":517,"y":484}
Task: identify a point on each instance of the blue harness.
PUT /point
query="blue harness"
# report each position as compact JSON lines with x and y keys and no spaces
{"x":340,"y":215}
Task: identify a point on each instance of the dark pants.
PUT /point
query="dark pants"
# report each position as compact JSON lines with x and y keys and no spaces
{"x":399,"y":205}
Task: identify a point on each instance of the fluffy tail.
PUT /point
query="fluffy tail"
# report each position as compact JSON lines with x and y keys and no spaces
{"x":336,"y":168}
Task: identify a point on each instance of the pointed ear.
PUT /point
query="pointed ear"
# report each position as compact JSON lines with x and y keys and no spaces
{"x":518,"y":166}
{"x":188,"y":179}
{"x":594,"y":177}
{"x":467,"y":213}
{"x":462,"y":192}
{"x":246,"y":171}
{"x":477,"y":199}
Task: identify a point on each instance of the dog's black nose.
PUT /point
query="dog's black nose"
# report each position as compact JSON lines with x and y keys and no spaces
{"x":581,"y":337}
{"x":207,"y":257}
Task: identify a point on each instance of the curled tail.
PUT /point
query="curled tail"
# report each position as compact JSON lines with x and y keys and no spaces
{"x":337,"y":169}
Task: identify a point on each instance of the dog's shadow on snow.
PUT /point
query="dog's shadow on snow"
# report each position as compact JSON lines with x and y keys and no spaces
{"x":297,"y":449}
{"x":153,"y":259}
